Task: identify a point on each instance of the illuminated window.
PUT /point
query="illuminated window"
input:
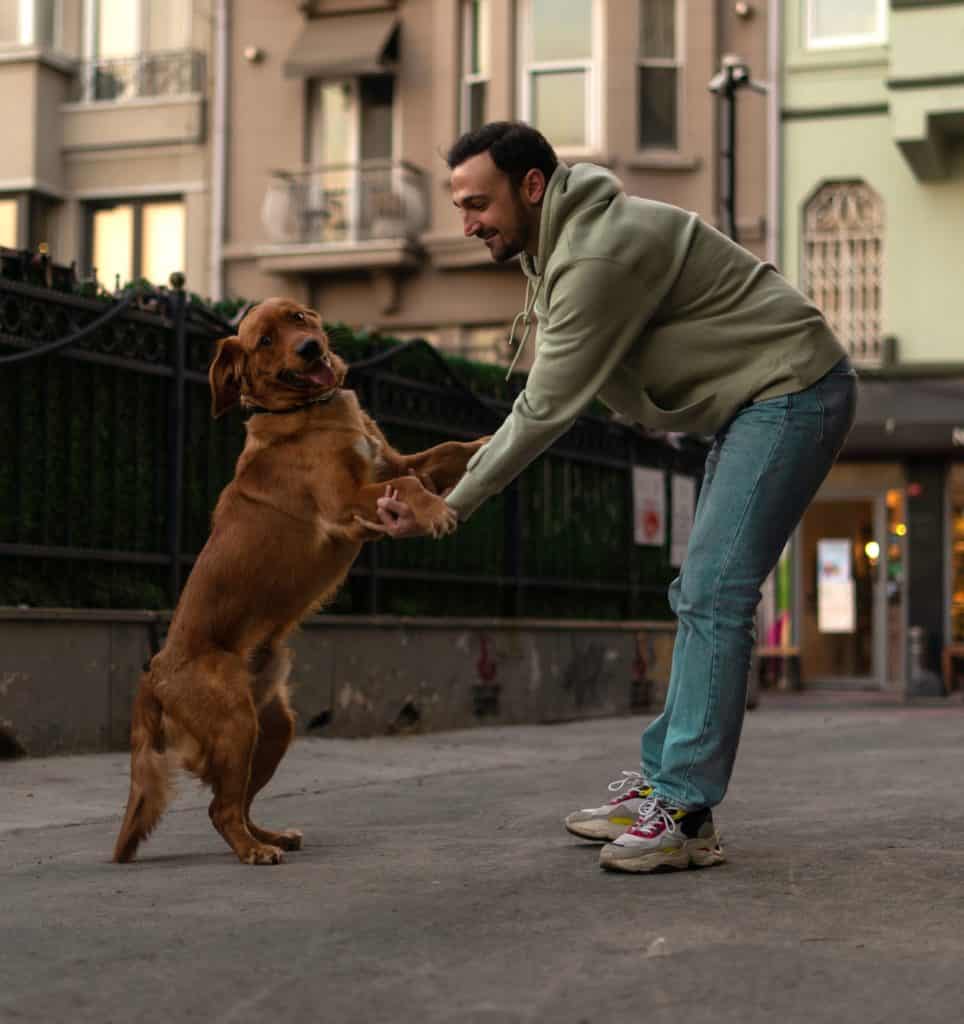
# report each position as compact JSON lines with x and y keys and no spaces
{"x":131,"y":240}
{"x":957,"y":553}
{"x":9,"y":223}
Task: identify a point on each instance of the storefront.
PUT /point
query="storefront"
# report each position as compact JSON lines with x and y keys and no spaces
{"x":878,"y":561}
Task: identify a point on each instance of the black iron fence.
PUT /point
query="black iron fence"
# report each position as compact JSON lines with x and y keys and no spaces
{"x":113,"y":465}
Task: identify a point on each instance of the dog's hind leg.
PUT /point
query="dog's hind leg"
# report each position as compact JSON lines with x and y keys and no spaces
{"x":150,"y":784}
{"x":211,"y":700}
{"x":276,"y":729}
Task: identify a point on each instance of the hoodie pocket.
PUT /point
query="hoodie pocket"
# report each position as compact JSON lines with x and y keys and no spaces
{"x":686,"y":417}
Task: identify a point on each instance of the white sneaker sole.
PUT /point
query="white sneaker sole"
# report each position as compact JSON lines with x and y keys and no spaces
{"x":599,"y":829}
{"x":693,"y":853}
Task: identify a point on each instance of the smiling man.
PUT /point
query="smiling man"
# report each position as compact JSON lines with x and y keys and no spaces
{"x":671,"y":324}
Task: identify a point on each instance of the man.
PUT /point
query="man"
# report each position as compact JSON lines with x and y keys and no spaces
{"x":672,"y":324}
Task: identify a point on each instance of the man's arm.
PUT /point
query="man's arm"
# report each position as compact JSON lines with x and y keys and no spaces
{"x":589,"y":331}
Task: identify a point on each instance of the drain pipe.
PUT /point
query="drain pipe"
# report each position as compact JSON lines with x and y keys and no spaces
{"x":774,"y":134}
{"x":219,"y":144}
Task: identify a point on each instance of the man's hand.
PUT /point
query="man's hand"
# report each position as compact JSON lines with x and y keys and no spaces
{"x":396,"y":516}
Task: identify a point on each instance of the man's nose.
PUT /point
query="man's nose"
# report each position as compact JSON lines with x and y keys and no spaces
{"x":470,"y":226}
{"x":309,"y":349}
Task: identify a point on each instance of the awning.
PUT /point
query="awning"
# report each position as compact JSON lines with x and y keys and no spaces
{"x":908,"y":416}
{"x":344,"y":44}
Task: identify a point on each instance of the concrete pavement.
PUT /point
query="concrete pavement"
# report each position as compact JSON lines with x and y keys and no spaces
{"x":437,"y":884}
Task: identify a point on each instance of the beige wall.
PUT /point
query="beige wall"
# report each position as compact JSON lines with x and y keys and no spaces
{"x":454,"y":283}
{"x":85,"y":151}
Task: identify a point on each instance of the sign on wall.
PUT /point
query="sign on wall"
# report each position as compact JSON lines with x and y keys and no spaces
{"x":836,"y":604}
{"x":649,"y":506}
{"x":681,"y":521}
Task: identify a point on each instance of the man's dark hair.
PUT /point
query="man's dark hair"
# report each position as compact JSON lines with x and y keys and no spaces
{"x":516,"y":148}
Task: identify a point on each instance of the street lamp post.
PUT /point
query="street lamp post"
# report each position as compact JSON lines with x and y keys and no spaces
{"x":732,"y":77}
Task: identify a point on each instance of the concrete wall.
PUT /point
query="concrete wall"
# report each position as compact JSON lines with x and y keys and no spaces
{"x":67,"y":678}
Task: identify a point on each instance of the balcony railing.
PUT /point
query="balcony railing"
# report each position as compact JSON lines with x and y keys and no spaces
{"x":346,"y":203}
{"x":147,"y":76}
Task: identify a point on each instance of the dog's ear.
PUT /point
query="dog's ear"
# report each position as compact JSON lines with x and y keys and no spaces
{"x":224,"y":375}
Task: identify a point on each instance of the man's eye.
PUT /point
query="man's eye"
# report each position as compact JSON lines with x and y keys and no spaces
{"x":264,"y":341}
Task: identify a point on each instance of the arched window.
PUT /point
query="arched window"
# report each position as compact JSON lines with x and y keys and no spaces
{"x":843,"y":248}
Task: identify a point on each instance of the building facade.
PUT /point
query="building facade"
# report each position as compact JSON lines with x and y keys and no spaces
{"x":872,"y":152}
{"x":297,"y":148}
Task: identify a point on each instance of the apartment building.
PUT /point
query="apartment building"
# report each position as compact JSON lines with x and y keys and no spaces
{"x":283,"y":147}
{"x":873,"y":203}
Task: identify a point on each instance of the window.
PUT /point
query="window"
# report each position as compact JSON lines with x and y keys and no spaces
{"x":137,"y":48}
{"x":658,"y":74}
{"x":30,"y":22}
{"x":831,"y":23}
{"x":9,"y":223}
{"x":956,"y":489}
{"x":843,"y":241}
{"x":126,"y":28}
{"x":475,"y":64}
{"x":559,"y":88}
{"x":135,"y":239}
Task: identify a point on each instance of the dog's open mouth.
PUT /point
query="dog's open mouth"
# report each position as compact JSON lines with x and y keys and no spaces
{"x":320,"y":377}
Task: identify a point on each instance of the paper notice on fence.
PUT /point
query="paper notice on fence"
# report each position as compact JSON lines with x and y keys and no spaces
{"x":681,"y":517}
{"x":836,"y":608}
{"x":649,"y":506}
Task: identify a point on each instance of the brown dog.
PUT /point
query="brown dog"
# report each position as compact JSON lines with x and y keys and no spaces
{"x":284,"y":535}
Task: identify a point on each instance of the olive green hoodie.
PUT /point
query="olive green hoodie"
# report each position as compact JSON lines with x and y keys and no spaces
{"x":648,"y":308}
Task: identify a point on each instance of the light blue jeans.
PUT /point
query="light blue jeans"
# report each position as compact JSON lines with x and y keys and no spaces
{"x":763,"y":470}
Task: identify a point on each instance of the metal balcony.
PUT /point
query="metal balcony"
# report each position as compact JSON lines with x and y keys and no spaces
{"x":147,"y":76}
{"x":346,"y":204}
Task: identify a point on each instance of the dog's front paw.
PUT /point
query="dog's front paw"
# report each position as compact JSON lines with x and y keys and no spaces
{"x":439,"y":519}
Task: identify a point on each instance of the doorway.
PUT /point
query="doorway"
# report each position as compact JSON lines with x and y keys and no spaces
{"x":350,"y":149}
{"x":851,"y":605}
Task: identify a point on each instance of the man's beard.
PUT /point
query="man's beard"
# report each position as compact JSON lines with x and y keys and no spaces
{"x":512,"y":248}
{"x":507,"y":252}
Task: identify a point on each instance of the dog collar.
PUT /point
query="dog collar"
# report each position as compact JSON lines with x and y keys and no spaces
{"x":294,"y":408}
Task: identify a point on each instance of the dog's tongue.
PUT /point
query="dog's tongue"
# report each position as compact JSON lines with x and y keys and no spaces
{"x":323,"y":378}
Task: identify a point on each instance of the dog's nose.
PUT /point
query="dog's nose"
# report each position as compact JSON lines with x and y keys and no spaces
{"x":309,"y":349}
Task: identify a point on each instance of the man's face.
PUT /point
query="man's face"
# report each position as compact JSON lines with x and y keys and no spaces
{"x":493,"y":209}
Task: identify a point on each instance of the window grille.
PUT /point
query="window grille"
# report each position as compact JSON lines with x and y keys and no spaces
{"x":843,"y":242}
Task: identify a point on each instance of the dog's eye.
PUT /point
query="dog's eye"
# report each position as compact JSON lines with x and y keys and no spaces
{"x":300,"y":317}
{"x":264,"y":341}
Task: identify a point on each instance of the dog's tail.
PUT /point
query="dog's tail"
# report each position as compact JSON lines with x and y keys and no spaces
{"x":150,"y":775}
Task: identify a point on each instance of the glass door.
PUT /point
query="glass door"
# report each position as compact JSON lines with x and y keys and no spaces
{"x":851,"y":571}
{"x":331,"y":194}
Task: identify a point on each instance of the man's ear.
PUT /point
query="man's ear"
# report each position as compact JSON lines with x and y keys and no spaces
{"x":224,"y":375}
{"x":534,"y":186}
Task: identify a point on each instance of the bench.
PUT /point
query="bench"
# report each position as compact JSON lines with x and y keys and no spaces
{"x":948,"y":656}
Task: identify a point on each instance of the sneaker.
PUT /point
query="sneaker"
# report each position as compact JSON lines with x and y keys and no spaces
{"x":612,"y":819}
{"x":665,"y":836}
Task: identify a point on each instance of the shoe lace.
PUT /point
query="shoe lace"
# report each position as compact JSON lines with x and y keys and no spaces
{"x":651,"y":815}
{"x":635,"y":781}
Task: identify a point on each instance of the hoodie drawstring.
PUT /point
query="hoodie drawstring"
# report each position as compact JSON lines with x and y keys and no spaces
{"x":526,"y":318}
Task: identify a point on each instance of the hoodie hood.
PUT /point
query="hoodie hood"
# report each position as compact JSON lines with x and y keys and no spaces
{"x":570,"y":191}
